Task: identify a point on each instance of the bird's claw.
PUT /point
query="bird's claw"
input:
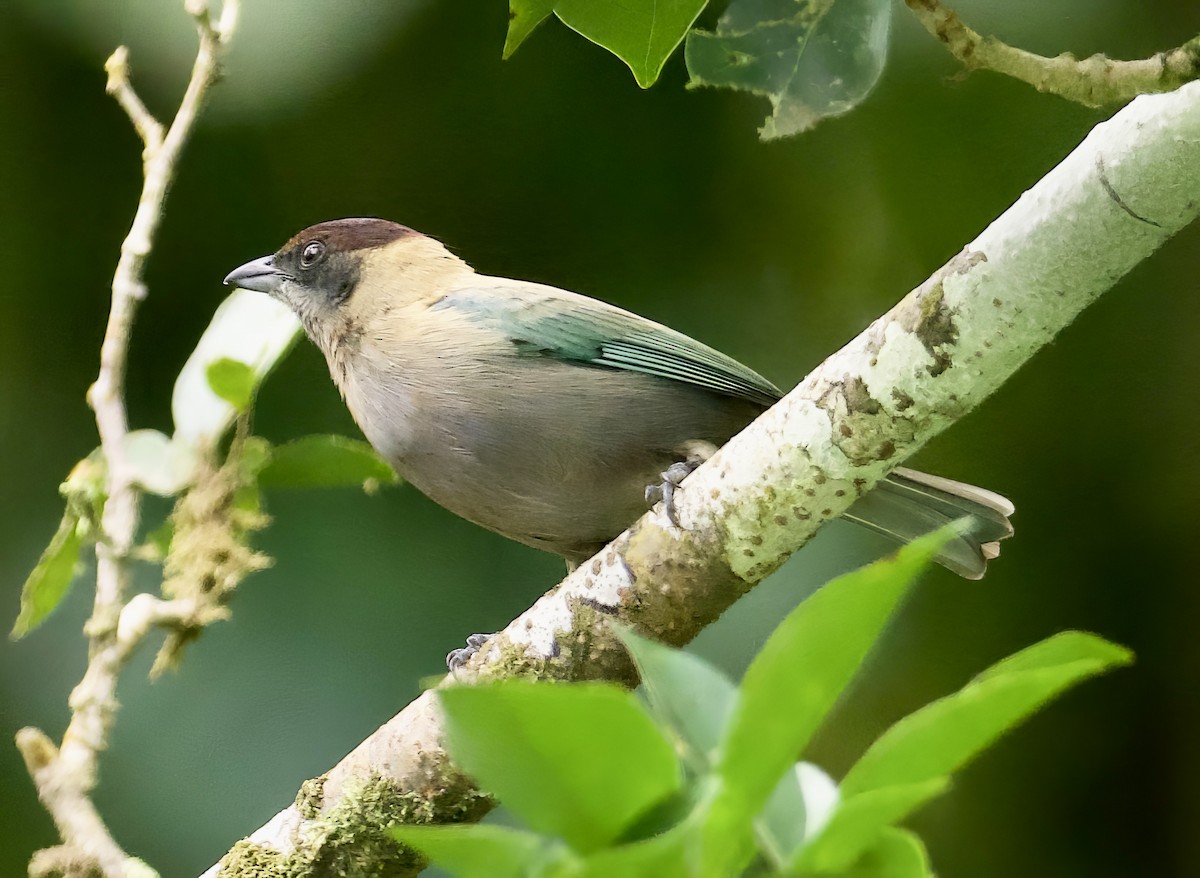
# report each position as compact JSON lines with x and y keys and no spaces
{"x":672,"y":478}
{"x":456,"y":658}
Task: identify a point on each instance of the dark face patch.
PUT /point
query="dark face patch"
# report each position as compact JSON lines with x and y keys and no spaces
{"x":325,"y":259}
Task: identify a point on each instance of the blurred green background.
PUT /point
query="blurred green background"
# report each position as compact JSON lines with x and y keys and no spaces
{"x":555,"y":167}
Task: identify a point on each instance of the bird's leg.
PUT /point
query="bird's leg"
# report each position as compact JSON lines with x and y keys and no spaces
{"x":456,"y":658}
{"x":693,"y":453}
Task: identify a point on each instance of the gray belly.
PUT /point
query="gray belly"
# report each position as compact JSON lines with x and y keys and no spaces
{"x":557,"y":455}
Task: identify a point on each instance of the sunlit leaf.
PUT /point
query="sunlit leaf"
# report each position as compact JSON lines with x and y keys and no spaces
{"x":897,"y":853}
{"x":941,"y":737}
{"x":857,"y":823}
{"x":799,"y":807}
{"x":51,"y":579}
{"x":580,"y":761}
{"x":324,"y":462}
{"x":247,"y":327}
{"x":811,"y":58}
{"x":804,"y":666}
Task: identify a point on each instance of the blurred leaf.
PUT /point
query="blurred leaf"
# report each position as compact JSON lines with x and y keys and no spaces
{"x":811,"y":58}
{"x":324,"y":462}
{"x":580,"y":761}
{"x":669,"y":854}
{"x":51,"y":579}
{"x":523,"y":17}
{"x":943,"y":736}
{"x":685,"y":693}
{"x":858,"y":822}
{"x":233,"y":381}
{"x":160,"y":465}
{"x":800,"y":806}
{"x":805,"y":664}
{"x":476,"y":851}
{"x":897,"y":853}
{"x":247,"y":327}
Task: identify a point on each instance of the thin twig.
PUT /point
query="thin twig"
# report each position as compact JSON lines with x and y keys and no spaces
{"x":66,"y":775}
{"x":1093,"y":82}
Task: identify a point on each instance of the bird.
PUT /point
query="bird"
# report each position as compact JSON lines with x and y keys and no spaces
{"x":546,"y":416}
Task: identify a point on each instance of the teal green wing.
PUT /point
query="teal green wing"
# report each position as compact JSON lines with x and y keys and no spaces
{"x":546,"y":322}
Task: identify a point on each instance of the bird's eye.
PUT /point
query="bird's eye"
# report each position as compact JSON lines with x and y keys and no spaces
{"x":311,"y":254}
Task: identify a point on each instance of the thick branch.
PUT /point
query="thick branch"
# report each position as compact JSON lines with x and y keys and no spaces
{"x":1093,"y":82}
{"x":65,"y":776}
{"x":938,"y":353}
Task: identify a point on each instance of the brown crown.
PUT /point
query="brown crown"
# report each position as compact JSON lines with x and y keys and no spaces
{"x":346,"y":235}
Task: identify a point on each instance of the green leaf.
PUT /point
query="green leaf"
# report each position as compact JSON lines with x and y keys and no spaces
{"x":858,"y":822}
{"x":685,"y":693}
{"x":805,"y":664}
{"x":897,"y":853}
{"x":51,"y":579}
{"x":642,"y":34}
{"x":811,"y":58}
{"x":247,"y":327}
{"x":581,"y":761}
{"x":476,"y":851}
{"x":523,"y":17}
{"x":160,"y":465}
{"x":665,"y":855}
{"x":325,"y":462}
{"x":944,"y":735}
{"x":800,"y":806}
{"x":233,"y":381}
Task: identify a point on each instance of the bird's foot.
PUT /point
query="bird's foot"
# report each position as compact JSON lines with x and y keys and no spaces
{"x":672,"y":478}
{"x":693,"y":453}
{"x":456,"y":658}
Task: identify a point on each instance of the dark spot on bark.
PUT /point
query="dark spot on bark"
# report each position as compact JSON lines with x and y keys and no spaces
{"x":903,"y":400}
{"x":845,"y":430}
{"x":781,"y":520}
{"x":756,"y":540}
{"x":887,"y":449}
{"x":858,"y":398}
{"x":839,"y":493}
{"x":606,"y":609}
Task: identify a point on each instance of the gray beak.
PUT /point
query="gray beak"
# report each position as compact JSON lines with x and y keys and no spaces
{"x":261,"y":275}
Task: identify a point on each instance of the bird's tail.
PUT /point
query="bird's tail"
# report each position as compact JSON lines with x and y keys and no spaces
{"x":908,"y":504}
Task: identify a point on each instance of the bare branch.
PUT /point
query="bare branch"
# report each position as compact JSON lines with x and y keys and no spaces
{"x":938,"y":353}
{"x":66,"y":775}
{"x":1093,"y":82}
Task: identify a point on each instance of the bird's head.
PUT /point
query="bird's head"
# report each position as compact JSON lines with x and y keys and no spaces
{"x":329,"y":272}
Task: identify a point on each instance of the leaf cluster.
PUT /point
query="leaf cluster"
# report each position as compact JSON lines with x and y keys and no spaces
{"x":697,"y":776}
{"x":217,"y":486}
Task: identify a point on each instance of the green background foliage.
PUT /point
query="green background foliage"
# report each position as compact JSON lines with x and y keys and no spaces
{"x":555,"y":166}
